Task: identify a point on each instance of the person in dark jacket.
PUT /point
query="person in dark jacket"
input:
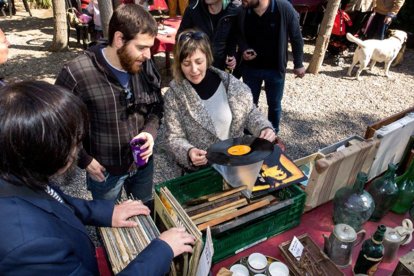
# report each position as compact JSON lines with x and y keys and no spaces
{"x":217,"y":19}
{"x":266,"y":27}
{"x":43,"y":230}
{"x":121,"y":89}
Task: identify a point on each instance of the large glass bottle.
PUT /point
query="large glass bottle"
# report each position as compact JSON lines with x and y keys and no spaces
{"x":371,"y":253}
{"x":384,"y":191}
{"x":405,"y":184}
{"x":353,"y":205}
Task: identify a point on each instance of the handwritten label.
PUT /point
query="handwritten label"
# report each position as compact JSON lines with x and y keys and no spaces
{"x":296,"y":248}
{"x":206,"y":257}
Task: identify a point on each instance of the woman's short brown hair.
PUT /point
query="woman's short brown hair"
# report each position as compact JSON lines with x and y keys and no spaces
{"x":188,"y":42}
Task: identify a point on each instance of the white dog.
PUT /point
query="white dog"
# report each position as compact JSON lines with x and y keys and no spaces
{"x":375,"y":50}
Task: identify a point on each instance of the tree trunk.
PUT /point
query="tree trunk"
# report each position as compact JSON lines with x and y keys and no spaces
{"x":106,"y":10}
{"x":60,"y":27}
{"x":323,"y":37}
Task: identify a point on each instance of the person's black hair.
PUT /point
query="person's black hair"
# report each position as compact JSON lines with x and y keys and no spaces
{"x":130,"y":20}
{"x":40,"y":127}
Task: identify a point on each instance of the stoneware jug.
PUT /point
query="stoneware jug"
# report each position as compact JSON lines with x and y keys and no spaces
{"x":394,"y":237}
{"x":340,"y":243}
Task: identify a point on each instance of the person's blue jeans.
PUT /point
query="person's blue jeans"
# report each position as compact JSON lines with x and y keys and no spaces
{"x":274,"y":86}
{"x":138,"y":183}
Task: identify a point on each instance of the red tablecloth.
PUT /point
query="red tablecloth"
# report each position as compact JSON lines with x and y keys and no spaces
{"x":317,"y":222}
{"x":164,"y":42}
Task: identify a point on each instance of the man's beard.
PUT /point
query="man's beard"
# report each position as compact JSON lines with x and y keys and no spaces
{"x":127,"y":61}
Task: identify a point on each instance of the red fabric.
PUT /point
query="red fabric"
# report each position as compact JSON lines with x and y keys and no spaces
{"x":102,"y":259}
{"x":166,"y":42}
{"x":342,"y":20}
{"x":84,"y":4}
{"x":317,"y":222}
{"x":159,"y":5}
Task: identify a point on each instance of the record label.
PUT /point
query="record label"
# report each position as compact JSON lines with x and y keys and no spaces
{"x":239,"y":150}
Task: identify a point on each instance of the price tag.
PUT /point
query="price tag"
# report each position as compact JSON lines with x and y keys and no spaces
{"x":296,"y":248}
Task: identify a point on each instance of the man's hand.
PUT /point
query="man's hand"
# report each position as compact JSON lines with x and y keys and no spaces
{"x":231,"y":62}
{"x":268,"y":134}
{"x":197,"y":156}
{"x":299,"y":72}
{"x":125,"y":210}
{"x":179,"y":240}
{"x":249,"y":54}
{"x":96,"y":171}
{"x":148,"y":146}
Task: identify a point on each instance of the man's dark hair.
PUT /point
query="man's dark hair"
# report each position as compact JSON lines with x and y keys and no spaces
{"x":40,"y":127}
{"x":130,"y":20}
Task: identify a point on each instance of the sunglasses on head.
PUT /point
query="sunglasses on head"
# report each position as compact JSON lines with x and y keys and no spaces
{"x":191,"y":35}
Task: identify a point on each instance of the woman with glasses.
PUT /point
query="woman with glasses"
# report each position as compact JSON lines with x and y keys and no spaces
{"x":204,"y":105}
{"x":43,"y":230}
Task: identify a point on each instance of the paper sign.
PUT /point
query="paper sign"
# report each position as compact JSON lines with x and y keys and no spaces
{"x":296,"y":248}
{"x":206,"y":257}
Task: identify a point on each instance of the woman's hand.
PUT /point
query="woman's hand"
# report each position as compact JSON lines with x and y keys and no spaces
{"x":198,"y":156}
{"x":268,"y":134}
{"x":125,"y":210}
{"x":179,"y":240}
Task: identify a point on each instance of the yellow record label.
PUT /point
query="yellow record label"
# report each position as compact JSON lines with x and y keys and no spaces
{"x":239,"y":150}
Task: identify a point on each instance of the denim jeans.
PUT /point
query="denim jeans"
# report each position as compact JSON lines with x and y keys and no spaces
{"x":377,"y":29}
{"x":274,"y":85}
{"x":138,"y":183}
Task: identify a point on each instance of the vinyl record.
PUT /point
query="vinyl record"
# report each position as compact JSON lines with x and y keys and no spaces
{"x":239,"y":151}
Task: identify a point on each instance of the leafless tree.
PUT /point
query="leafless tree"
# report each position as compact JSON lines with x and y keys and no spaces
{"x":323,"y":37}
{"x":106,"y":10}
{"x":60,"y":31}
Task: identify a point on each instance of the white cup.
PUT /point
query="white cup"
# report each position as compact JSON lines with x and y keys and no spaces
{"x":257,"y":262}
{"x":278,"y":269}
{"x":239,"y":270}
{"x":260,"y":274}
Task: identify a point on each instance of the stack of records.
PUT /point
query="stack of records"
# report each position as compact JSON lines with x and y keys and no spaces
{"x":124,"y":244}
{"x":186,"y":265}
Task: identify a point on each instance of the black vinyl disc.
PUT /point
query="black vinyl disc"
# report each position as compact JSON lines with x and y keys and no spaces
{"x":239,"y":151}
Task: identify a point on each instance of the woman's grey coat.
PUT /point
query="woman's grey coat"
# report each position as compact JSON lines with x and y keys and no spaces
{"x":187,"y":123}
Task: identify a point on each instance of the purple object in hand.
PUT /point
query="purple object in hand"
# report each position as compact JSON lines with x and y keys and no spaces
{"x":136,"y":151}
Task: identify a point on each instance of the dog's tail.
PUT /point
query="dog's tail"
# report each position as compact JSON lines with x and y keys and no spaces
{"x":353,"y":39}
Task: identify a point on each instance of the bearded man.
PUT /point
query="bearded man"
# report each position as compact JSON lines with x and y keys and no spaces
{"x":121,"y":89}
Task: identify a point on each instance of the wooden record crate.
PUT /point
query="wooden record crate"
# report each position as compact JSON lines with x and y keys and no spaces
{"x":229,"y":243}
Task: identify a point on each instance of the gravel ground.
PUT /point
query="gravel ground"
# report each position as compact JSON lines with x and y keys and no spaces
{"x":318,"y":110}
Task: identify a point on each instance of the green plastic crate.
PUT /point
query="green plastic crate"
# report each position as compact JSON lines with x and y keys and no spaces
{"x":208,"y":181}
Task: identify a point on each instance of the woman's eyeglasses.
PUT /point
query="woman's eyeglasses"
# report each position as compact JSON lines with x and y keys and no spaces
{"x":191,"y":35}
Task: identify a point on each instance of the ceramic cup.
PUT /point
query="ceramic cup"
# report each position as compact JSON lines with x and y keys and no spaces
{"x":278,"y":269}
{"x":260,"y":274}
{"x":257,"y":263}
{"x":239,"y":270}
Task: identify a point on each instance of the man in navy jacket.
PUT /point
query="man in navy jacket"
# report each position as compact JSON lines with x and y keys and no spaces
{"x":43,"y":230}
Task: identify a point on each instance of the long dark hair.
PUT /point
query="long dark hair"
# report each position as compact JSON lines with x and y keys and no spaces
{"x":40,"y":127}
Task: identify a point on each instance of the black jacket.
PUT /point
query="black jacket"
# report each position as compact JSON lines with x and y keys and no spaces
{"x":223,"y":38}
{"x":286,"y":29}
